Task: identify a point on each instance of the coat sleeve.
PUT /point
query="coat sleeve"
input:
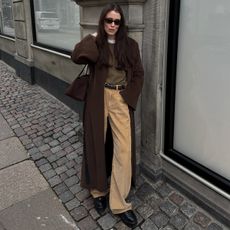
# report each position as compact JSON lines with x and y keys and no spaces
{"x":85,"y":51}
{"x":133,"y":89}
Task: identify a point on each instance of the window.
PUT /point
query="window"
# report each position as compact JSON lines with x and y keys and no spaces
{"x":6,"y":19}
{"x":56,"y":23}
{"x":197,"y":109}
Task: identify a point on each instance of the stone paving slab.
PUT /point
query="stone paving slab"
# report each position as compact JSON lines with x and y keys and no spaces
{"x":19,"y":182}
{"x":39,"y":212}
{"x":11,"y":152}
{"x":5,"y":130}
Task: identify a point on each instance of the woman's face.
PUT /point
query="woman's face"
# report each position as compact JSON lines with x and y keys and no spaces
{"x":112,"y":23}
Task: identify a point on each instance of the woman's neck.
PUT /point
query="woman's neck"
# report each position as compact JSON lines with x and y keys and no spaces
{"x":111,"y":37}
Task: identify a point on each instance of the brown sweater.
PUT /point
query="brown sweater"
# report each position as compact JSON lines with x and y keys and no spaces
{"x":115,"y":76}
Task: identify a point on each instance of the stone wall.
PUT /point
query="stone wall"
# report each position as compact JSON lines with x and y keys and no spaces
{"x":23,"y":39}
{"x":154,"y":59}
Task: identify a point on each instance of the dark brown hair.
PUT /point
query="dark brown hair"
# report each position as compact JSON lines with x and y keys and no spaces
{"x":121,"y":46}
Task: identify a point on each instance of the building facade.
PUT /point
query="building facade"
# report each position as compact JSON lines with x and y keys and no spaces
{"x":183,"y":115}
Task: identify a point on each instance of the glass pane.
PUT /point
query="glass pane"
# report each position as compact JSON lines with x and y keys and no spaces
{"x":57,"y":23}
{"x":7,"y":22}
{"x":202,"y":110}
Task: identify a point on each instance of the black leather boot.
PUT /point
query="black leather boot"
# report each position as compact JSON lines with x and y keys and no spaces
{"x":100,"y":204}
{"x":128,"y":218}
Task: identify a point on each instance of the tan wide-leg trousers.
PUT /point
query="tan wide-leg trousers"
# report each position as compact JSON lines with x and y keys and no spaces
{"x":116,"y":110}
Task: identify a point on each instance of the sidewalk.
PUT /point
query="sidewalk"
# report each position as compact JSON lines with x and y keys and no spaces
{"x":40,"y":161}
{"x":26,"y":199}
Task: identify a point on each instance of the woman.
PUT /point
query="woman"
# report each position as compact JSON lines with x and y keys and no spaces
{"x":116,"y":81}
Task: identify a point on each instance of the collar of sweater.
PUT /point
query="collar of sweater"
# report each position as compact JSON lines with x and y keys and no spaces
{"x":111,"y":41}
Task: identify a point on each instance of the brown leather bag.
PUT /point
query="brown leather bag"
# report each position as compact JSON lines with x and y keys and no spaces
{"x":78,"y":88}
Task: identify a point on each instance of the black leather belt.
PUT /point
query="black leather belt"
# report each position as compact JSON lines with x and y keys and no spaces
{"x":116,"y":87}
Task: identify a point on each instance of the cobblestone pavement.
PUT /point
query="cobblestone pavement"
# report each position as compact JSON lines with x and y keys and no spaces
{"x":52,"y":135}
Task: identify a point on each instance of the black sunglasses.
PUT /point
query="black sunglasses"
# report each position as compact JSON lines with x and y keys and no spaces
{"x":117,"y":22}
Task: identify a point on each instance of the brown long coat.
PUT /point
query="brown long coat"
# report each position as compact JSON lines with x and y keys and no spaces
{"x":96,"y":165}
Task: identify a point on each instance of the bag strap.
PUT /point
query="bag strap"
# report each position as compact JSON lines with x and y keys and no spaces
{"x":83,"y":70}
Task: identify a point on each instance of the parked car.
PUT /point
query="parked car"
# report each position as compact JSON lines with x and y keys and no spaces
{"x":47,"y":20}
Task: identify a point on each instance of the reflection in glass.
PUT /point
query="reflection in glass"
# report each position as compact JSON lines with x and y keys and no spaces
{"x":7,"y":22}
{"x":57,"y":23}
